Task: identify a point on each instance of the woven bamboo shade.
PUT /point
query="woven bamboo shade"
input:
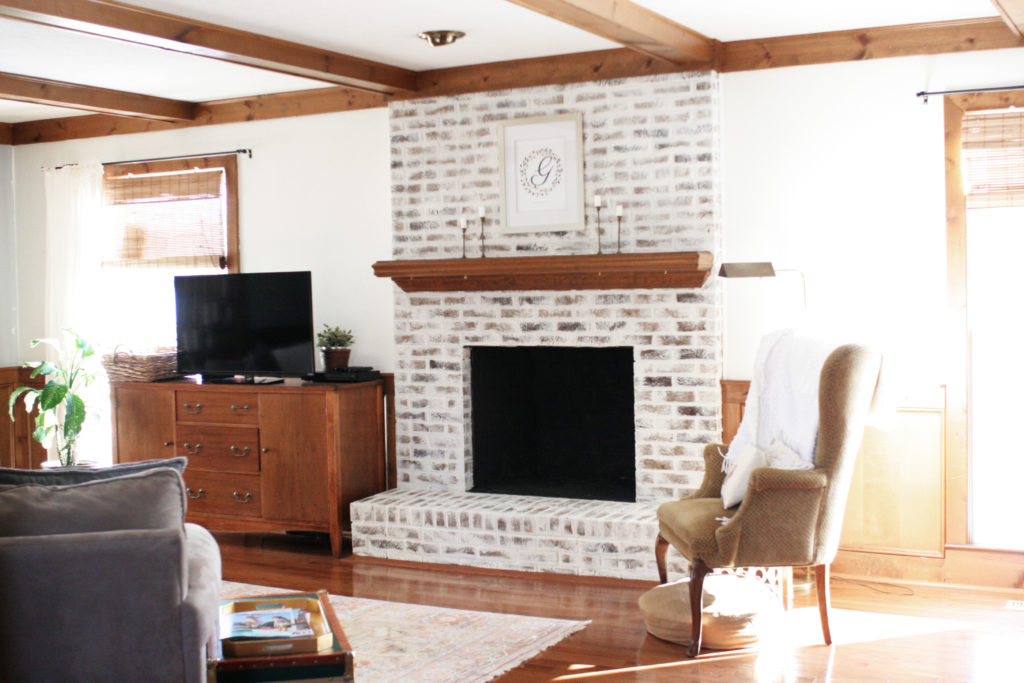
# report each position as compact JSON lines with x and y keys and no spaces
{"x":173,"y":219}
{"x":993,"y":155}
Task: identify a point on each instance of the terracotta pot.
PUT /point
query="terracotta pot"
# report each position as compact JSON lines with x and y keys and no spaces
{"x":335,"y":358}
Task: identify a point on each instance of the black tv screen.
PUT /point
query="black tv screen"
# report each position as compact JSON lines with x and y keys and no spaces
{"x":249,"y":324}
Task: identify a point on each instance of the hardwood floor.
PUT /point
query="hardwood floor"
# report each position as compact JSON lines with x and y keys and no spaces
{"x":882,"y":631}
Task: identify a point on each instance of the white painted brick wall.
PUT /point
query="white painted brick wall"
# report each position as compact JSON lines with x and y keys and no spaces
{"x":650,"y":144}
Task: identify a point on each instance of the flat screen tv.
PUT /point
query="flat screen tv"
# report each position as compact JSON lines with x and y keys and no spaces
{"x":245,"y":326}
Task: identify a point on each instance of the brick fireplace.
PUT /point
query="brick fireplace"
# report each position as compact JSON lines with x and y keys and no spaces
{"x":650,"y":145}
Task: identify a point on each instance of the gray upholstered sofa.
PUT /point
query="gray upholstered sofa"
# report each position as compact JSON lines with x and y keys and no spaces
{"x":103,"y":580}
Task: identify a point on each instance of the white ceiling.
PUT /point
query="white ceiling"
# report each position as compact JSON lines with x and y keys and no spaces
{"x":385,"y":31}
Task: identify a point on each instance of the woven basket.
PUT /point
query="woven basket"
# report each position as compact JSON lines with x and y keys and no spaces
{"x":125,"y":366}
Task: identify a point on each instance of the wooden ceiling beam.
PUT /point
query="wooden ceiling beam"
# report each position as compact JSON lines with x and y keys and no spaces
{"x":6,"y":134}
{"x":869,"y":43}
{"x":178,"y":34}
{"x":1012,"y":12}
{"x":578,"y":67}
{"x":259,"y":108}
{"x":88,"y":98}
{"x":631,"y":25}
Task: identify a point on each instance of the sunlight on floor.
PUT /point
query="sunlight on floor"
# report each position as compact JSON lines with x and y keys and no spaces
{"x":800,"y":628}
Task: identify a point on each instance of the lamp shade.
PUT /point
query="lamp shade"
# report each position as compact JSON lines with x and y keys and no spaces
{"x":747,"y":269}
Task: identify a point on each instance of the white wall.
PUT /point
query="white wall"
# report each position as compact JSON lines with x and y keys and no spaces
{"x":315,"y":196}
{"x":8,"y":263}
{"x":838,"y":171}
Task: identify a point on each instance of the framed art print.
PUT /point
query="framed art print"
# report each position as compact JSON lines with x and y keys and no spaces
{"x":542,"y":173}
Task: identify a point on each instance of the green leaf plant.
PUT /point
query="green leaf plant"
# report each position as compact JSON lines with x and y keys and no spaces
{"x":61,"y":409}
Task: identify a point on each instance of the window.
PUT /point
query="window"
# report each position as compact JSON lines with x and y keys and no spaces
{"x":162,"y":219}
{"x":993,"y":162}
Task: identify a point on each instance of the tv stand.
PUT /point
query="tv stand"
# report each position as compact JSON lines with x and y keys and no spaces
{"x":241,"y":379}
{"x":284,"y":457}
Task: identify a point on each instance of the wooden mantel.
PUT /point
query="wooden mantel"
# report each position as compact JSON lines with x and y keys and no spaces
{"x":674,"y":270}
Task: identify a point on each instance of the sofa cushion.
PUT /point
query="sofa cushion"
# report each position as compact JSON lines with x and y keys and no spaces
{"x":61,"y":476}
{"x":154,"y":499}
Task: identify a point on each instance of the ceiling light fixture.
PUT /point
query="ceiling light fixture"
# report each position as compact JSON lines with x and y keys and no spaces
{"x":439,"y":38}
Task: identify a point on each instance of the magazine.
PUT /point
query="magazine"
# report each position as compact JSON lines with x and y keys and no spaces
{"x":284,"y":622}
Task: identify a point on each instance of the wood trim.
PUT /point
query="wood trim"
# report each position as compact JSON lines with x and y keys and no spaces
{"x":259,"y":108}
{"x":6,"y":134}
{"x":631,"y":25}
{"x":580,"y":67}
{"x":982,"y":101}
{"x":868,"y":43}
{"x":591,"y":271}
{"x":124,"y":22}
{"x":229,"y":162}
{"x":390,"y":428}
{"x":1012,"y":12}
{"x":957,"y":458}
{"x":734,"y":400}
{"x":961,"y":566}
{"x":101,"y":100}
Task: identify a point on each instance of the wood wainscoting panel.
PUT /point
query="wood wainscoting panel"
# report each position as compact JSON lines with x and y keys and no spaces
{"x":896,"y":496}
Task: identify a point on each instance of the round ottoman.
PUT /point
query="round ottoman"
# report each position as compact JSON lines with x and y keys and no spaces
{"x":735,"y":609}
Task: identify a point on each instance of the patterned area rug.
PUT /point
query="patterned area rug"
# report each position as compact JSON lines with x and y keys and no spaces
{"x":394,"y":641}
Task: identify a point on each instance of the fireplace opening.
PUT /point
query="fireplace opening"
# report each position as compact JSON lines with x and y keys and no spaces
{"x":554,"y":421}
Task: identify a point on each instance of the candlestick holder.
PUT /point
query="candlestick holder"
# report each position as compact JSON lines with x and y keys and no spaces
{"x":618,"y":235}
{"x":598,"y":228}
{"x":483,"y":252}
{"x":463,"y":227}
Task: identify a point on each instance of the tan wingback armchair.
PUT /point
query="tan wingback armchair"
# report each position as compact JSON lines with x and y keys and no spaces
{"x":788,"y":518}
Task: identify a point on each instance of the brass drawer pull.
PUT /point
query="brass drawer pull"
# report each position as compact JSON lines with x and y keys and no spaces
{"x":242,"y":499}
{"x":264,"y":450}
{"x":192,"y":450}
{"x":234,"y":407}
{"x":240,"y":453}
{"x":167,"y":443}
{"x":194,"y":496}
{"x":193,"y":409}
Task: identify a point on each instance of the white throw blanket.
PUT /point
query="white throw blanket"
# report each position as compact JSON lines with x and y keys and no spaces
{"x":782,"y":402}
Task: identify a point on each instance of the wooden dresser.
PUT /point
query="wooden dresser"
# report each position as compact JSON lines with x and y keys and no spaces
{"x":279,"y":457}
{"x":17,"y":447}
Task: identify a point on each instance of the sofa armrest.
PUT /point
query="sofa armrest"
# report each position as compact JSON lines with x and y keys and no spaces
{"x":111,"y":599}
{"x":200,"y":610}
{"x":711,"y":486}
{"x":776,"y":522}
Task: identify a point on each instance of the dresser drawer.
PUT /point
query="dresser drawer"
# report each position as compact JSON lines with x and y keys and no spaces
{"x":209,"y":406}
{"x":223,"y":494}
{"x":221,"y":449}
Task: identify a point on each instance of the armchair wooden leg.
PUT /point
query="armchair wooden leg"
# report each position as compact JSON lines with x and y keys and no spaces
{"x":821,"y":575}
{"x":698,"y":570}
{"x":660,"y":549}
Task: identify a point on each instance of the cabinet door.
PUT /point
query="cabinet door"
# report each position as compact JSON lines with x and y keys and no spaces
{"x":293,"y":457}
{"x":143,"y":424}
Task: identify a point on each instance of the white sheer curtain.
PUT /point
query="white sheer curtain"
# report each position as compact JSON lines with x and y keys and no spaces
{"x":74,"y":222}
{"x":74,"y":205}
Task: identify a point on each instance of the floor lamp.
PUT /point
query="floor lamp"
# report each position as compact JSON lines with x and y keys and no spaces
{"x":802,"y":580}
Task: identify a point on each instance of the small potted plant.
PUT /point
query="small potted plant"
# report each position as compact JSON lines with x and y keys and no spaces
{"x":61,"y":406}
{"x":334,"y":344}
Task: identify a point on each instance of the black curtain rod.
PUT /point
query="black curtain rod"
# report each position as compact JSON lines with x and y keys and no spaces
{"x":926,"y":93}
{"x":247,"y":152}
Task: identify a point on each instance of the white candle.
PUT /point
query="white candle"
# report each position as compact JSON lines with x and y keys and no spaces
{"x":597,"y":201}
{"x":618,"y":210}
{"x":480,"y":212}
{"x":462,"y":222}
